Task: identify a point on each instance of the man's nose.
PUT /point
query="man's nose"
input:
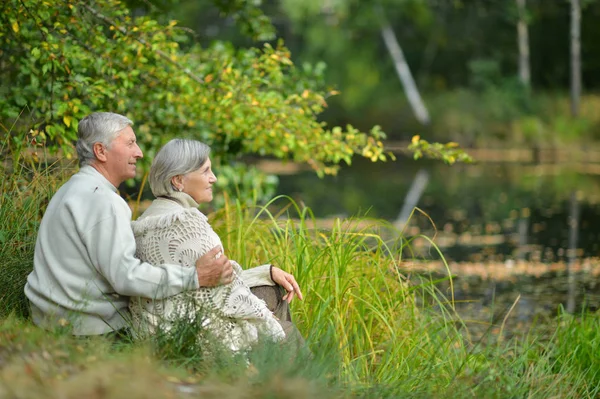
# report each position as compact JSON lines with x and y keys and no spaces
{"x":138,"y":153}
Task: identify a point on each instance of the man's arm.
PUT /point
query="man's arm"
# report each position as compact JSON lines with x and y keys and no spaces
{"x":111,"y":247}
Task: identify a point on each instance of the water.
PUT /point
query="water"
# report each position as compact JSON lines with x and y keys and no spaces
{"x":488,"y":217}
{"x":484,"y":202}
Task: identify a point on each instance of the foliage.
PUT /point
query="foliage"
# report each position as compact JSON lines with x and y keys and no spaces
{"x":577,"y":348}
{"x":249,"y":17}
{"x":247,"y":184}
{"x":66,"y":59}
{"x":448,"y":45}
{"x":357,"y":60}
{"x":439,"y":39}
{"x":449,"y":152}
{"x":505,"y":116}
{"x":25,"y":190}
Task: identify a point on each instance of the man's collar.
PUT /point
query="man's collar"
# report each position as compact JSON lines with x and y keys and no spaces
{"x":91,"y":171}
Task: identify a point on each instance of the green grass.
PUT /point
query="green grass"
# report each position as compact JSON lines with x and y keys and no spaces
{"x":370,"y":332}
{"x":25,"y":191}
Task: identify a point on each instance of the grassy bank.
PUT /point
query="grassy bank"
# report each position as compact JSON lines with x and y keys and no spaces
{"x":367,"y":328}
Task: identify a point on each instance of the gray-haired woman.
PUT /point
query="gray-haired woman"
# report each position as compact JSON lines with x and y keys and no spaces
{"x":173,"y":230}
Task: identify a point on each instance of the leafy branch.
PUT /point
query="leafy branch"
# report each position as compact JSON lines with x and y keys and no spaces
{"x":450,"y":152}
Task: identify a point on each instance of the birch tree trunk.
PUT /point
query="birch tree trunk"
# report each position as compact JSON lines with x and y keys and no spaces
{"x":575,"y":56}
{"x":523,"y":41}
{"x":403,"y":70}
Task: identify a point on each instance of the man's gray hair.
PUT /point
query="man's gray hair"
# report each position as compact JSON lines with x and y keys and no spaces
{"x":99,"y":127}
{"x":177,"y":157}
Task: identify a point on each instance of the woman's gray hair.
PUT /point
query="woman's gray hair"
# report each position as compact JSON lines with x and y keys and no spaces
{"x":177,"y":157}
{"x":99,"y":127}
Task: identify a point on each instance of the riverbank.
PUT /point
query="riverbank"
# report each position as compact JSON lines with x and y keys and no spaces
{"x":504,"y":271}
{"x":373,"y":330}
{"x":372,"y":333}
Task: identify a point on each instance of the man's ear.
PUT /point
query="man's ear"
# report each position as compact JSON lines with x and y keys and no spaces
{"x":99,"y":151}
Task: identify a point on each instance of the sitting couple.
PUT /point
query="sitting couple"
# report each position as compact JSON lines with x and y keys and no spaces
{"x":93,"y":272}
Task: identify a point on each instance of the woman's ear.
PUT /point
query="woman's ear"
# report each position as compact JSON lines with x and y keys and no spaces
{"x":177,"y":182}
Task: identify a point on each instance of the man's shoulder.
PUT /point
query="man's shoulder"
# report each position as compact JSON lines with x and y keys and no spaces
{"x":81,"y":185}
{"x":82,"y":191}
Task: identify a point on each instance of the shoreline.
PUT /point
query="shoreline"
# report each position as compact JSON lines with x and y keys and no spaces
{"x":503,"y":271}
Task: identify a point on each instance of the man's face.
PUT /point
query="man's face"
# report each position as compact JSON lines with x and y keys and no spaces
{"x":122,"y":155}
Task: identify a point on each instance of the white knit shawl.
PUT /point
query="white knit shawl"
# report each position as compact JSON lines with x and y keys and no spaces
{"x":175,"y":231}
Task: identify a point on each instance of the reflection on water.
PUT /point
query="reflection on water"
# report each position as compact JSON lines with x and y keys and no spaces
{"x":484,"y":213}
{"x":520,"y":302}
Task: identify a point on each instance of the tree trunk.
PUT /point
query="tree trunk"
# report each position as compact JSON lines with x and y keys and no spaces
{"x":523,"y":41}
{"x":403,"y":70}
{"x":575,"y":56}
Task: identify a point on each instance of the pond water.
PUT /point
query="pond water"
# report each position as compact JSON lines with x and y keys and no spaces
{"x":486,"y":215}
{"x":500,"y":201}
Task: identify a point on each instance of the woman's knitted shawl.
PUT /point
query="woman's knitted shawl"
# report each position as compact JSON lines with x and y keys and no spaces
{"x":173,"y":231}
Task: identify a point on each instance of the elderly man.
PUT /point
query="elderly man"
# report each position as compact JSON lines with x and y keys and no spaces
{"x":85,"y":268}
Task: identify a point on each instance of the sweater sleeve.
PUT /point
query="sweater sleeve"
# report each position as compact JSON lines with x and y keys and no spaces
{"x":111,"y":246}
{"x":257,"y":276}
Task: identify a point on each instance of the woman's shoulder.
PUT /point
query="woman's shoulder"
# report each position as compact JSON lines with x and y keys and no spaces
{"x":153,"y":219}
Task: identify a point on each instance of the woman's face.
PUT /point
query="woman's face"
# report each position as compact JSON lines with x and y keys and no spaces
{"x":198,"y":184}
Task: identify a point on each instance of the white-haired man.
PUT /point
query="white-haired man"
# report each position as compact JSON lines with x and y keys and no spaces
{"x":84,"y":267}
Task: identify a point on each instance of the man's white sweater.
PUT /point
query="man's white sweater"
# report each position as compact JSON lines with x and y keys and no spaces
{"x":84,"y":267}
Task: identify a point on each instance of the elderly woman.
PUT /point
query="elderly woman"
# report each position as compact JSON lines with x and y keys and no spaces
{"x":173,"y":230}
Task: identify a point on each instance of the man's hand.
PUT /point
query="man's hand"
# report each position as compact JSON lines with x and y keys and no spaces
{"x":214,"y":268}
{"x":288,"y":282}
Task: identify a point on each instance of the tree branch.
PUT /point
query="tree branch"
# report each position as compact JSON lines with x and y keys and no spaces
{"x":160,"y":53}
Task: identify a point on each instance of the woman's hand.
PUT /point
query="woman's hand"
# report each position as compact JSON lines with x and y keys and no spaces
{"x":288,"y":282}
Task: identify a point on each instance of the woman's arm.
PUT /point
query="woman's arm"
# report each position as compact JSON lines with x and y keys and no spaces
{"x":257,"y":276}
{"x":272,"y":275}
